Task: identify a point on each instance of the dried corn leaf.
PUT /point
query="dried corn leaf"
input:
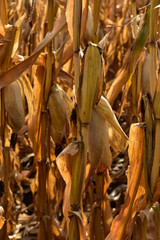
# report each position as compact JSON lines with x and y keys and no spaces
{"x":18,"y":25}
{"x":140,"y":227}
{"x":150,"y":218}
{"x":115,"y":139}
{"x":6,"y":49}
{"x":136,"y":54}
{"x":68,"y":52}
{"x":34,"y":117}
{"x":126,"y":75}
{"x":2,"y":219}
{"x":15,"y":72}
{"x":106,"y":112}
{"x":69,"y":16}
{"x":4,"y":12}
{"x":119,"y":228}
{"x":64,"y":163}
{"x":28,"y":91}
{"x":116,"y":87}
{"x":66,"y":78}
{"x":2,"y":31}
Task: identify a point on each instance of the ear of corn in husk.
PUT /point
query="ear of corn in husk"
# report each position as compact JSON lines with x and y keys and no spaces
{"x":106,"y":112}
{"x":58,"y":105}
{"x":14,"y":106}
{"x":91,"y":84}
{"x":99,"y":149}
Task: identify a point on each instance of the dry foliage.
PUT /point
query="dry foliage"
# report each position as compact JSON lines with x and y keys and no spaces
{"x":76,"y":78}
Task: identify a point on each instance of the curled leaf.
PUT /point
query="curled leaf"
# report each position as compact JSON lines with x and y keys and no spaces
{"x":104,"y":108}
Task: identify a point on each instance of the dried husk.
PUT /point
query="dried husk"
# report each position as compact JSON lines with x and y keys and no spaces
{"x":99,"y":150}
{"x":59,"y":115}
{"x":14,"y":106}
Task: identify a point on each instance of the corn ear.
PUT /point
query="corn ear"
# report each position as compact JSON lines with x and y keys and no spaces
{"x":58,"y":115}
{"x":14,"y":106}
{"x":99,"y":149}
{"x":91,"y":84}
{"x":106,"y":112}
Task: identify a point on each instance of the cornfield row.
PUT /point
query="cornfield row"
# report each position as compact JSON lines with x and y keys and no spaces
{"x":79,"y":119}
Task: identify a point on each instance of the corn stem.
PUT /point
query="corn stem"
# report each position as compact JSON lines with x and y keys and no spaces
{"x":98,"y":210}
{"x":154,"y":92}
{"x":43,"y":173}
{"x":152,"y":46}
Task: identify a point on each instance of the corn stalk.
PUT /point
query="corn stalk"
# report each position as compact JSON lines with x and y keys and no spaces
{"x":79,"y":166}
{"x":154,"y":93}
{"x":44,"y":229}
{"x":96,"y":19}
{"x":6,"y":152}
{"x":98,"y":210}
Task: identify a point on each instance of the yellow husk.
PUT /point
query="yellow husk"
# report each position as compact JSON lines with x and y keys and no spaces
{"x":58,"y":115}
{"x":14,"y":106}
{"x":91,"y":84}
{"x":99,"y":149}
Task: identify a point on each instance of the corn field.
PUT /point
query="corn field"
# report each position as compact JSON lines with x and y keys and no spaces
{"x":79,"y":119}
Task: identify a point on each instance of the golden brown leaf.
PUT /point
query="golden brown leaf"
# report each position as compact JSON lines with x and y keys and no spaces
{"x":119,"y":228}
{"x":2,"y":219}
{"x":34,"y":117}
{"x":15,"y":72}
{"x":3,"y":12}
{"x":64,"y":162}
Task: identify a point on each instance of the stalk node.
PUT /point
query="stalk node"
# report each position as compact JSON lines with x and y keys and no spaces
{"x":153,"y":43}
{"x":44,"y":108}
{"x":77,"y":51}
{"x":75,"y":207}
{"x":40,"y":161}
{"x":156,"y":119}
{"x":149,"y":197}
